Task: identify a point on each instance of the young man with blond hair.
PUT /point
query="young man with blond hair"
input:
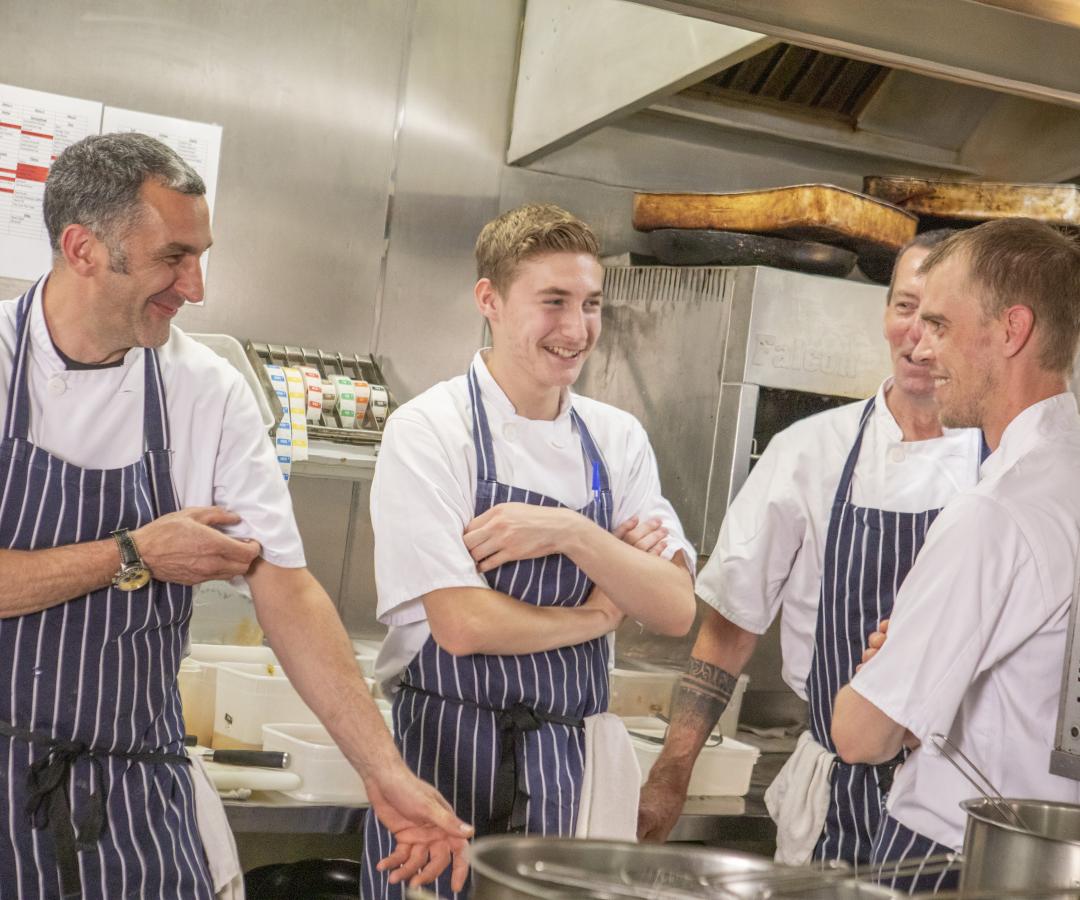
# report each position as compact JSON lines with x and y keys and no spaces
{"x":494,"y":504}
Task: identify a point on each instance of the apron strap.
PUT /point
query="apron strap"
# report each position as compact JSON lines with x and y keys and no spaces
{"x":155,"y":417}
{"x":485,"y":448}
{"x":17,"y":421}
{"x":843,"y":489}
{"x":48,"y":806}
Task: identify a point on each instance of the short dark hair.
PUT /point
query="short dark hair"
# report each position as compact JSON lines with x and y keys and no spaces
{"x":927,"y":240}
{"x":1022,"y":261}
{"x":530,"y":230}
{"x":96,"y":182}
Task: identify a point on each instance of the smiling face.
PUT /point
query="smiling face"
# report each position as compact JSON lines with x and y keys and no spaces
{"x":161,"y":269}
{"x":957,"y":344}
{"x":546,"y":322}
{"x":903,"y":327}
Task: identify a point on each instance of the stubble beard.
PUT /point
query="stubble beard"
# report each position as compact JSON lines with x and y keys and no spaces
{"x":969,"y":410}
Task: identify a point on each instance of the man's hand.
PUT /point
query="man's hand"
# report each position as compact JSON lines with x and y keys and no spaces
{"x":428,"y":836}
{"x":509,"y":532}
{"x":874,"y":643}
{"x":186,"y":547}
{"x":647,"y":536}
{"x":661,"y":802}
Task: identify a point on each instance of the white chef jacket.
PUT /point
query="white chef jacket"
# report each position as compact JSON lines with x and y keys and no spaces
{"x":772,"y":541}
{"x":424,"y":492}
{"x":221,"y":452}
{"x":976,"y":643}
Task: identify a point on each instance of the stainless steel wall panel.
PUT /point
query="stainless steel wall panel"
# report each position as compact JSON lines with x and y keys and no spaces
{"x":659,"y":357}
{"x":455,"y":130}
{"x":306,"y":96}
{"x":814,"y":334}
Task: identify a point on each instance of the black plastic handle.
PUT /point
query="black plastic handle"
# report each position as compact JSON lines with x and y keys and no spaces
{"x":265,"y":759}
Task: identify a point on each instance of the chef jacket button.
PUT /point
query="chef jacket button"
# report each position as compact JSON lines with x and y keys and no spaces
{"x":897,"y":454}
{"x":509,"y":431}
{"x":57,"y":385}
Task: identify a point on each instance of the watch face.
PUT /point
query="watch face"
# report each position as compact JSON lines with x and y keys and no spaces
{"x":133,"y":578}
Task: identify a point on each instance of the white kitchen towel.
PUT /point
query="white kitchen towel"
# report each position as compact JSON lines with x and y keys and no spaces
{"x":798,"y":800}
{"x":610,"y":788}
{"x":219,"y":845}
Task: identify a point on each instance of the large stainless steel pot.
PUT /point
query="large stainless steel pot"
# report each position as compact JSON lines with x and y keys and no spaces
{"x":999,"y":855}
{"x":533,"y":868}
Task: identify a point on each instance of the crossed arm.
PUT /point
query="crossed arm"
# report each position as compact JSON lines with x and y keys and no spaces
{"x":627,"y":582}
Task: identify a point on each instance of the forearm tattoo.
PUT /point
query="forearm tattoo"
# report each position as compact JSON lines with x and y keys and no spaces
{"x":702,"y":695}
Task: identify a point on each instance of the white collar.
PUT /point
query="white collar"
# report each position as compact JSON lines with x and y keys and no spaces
{"x":886,"y":421}
{"x":1030,"y":427}
{"x":44,"y":350}
{"x":499,"y":403}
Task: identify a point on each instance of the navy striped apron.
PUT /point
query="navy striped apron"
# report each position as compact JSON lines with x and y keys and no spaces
{"x":868,"y":553}
{"x":501,"y":737}
{"x":919,"y":859}
{"x":95,"y":797}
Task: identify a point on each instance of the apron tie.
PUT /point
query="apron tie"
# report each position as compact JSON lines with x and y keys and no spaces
{"x":49,"y":806}
{"x":511,"y":797}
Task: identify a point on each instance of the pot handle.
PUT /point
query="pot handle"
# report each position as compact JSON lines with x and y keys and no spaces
{"x":989,"y":793}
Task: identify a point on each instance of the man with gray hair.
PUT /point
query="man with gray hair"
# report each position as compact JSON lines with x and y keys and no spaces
{"x":824,"y":529}
{"x":135,"y":465}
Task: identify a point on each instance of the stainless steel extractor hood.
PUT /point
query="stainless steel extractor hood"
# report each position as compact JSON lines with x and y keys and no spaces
{"x":981,"y":88}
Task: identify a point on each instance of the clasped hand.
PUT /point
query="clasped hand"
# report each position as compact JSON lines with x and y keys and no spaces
{"x":509,"y":532}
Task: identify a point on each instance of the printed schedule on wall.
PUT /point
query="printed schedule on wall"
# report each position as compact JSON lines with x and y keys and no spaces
{"x":35,"y":127}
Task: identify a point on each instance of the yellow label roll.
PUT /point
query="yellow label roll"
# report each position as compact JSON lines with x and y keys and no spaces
{"x":297,"y":413}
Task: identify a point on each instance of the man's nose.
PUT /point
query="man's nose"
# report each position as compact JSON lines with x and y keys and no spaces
{"x":575,"y":324}
{"x":922,"y":353}
{"x":189,"y":283}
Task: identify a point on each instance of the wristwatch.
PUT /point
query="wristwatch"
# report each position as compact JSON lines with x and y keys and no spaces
{"x":133,"y":573}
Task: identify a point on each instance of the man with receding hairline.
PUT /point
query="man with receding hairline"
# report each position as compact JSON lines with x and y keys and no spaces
{"x":976,"y":645}
{"x":134,"y":464}
{"x":824,"y":529}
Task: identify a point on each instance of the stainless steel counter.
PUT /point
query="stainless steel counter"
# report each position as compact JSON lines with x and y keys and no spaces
{"x":703,"y":819}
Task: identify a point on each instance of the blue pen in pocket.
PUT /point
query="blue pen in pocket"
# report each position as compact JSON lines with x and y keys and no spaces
{"x":596,"y":480}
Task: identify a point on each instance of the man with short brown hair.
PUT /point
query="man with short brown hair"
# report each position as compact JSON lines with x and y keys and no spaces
{"x":498,"y":505}
{"x":976,"y":644}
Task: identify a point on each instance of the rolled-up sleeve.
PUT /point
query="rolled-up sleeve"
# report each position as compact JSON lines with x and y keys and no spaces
{"x":248,"y":481}
{"x":419,"y":510}
{"x":761,"y":533}
{"x":972,"y":597}
{"x":641,"y":495}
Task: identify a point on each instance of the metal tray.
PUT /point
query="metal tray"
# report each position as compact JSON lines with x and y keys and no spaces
{"x":328,"y":363}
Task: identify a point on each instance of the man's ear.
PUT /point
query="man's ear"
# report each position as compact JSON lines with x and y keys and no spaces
{"x":80,"y":249}
{"x":487,"y":299}
{"x":1019,"y":322}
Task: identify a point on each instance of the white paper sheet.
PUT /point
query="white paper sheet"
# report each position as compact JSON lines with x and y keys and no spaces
{"x":197,"y":143}
{"x":35,"y":127}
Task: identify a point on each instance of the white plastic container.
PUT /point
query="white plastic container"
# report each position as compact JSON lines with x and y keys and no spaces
{"x":196,"y":682}
{"x":248,"y":696}
{"x":325,"y":774}
{"x":635,"y":693}
{"x":720,"y":771}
